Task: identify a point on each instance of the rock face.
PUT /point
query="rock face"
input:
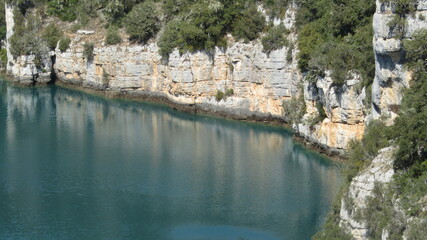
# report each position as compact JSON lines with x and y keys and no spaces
{"x":23,"y":68}
{"x":390,"y":75}
{"x":362,"y":187}
{"x":345,"y":112}
{"x":260,"y":81}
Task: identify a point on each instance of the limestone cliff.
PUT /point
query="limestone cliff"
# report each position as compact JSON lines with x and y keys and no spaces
{"x":260,"y":81}
{"x":361,"y":188}
{"x":391,"y":77}
{"x":390,"y":74}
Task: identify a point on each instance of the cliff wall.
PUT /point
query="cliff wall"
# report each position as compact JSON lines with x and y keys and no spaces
{"x":260,"y":82}
{"x":391,"y":77}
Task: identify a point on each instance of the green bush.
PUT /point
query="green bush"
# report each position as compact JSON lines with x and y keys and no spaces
{"x":27,"y":39}
{"x":275,"y":38}
{"x":3,"y":57}
{"x":88,"y":51}
{"x":142,"y":23}
{"x":169,"y":39}
{"x":409,"y":129}
{"x":294,"y":109}
{"x":337,"y":36}
{"x":64,"y":44}
{"x":65,"y":10}
{"x":377,"y":136}
{"x":113,"y":36}
{"x":52,"y":34}
{"x":249,"y":24}
{"x":219,"y":95}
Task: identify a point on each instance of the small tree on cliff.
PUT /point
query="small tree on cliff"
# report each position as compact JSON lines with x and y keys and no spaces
{"x":142,"y":23}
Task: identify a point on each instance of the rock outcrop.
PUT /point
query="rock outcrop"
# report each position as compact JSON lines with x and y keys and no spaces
{"x":345,"y":111}
{"x":390,"y":74}
{"x":260,"y":81}
{"x":362,"y":186}
{"x":23,"y":68}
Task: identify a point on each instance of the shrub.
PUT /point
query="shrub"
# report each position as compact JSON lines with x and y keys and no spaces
{"x":169,"y":39}
{"x":27,"y":39}
{"x":52,"y":35}
{"x":65,"y":10}
{"x":64,"y":44}
{"x":219,"y":95}
{"x":337,"y":36}
{"x":294,"y":109}
{"x":113,"y":36}
{"x":3,"y":57}
{"x":142,"y":23}
{"x":275,"y":38}
{"x":360,"y":153}
{"x":88,"y":51}
{"x":249,"y":24}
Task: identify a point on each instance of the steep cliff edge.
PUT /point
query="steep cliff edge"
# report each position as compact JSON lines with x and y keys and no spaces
{"x":386,"y":199}
{"x":391,"y":77}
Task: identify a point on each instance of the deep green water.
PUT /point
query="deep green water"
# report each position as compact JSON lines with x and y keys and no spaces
{"x":76,"y":166}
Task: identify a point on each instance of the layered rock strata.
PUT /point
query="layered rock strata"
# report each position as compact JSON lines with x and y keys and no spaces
{"x":260,"y":82}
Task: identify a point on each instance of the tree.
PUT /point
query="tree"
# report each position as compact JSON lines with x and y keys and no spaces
{"x":142,"y":23}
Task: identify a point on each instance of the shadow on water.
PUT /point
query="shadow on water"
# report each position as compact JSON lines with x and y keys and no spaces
{"x":77,"y":166}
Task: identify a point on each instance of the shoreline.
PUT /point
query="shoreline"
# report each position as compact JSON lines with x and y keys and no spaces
{"x":241,"y":115}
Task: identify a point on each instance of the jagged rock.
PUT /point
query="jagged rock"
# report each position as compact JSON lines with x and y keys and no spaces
{"x":361,"y":187}
{"x":390,"y":74}
{"x":261,"y":82}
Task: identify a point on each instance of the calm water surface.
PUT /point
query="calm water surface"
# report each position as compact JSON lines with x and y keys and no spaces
{"x":76,"y":166}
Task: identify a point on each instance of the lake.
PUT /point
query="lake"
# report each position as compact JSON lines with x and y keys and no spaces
{"x":79,"y":166}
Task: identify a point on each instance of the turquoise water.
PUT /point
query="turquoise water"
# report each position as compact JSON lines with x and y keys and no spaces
{"x":77,"y":166}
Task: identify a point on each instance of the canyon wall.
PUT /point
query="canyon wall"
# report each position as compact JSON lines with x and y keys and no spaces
{"x":391,"y":78}
{"x":260,"y":82}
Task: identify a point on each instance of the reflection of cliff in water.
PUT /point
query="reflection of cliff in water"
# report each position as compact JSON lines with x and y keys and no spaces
{"x":247,"y":174}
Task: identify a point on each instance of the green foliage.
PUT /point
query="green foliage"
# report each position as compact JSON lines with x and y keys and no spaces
{"x":64,"y":9}
{"x":275,"y":38}
{"x":360,"y":153}
{"x":142,"y":23}
{"x":249,"y":24}
{"x":169,"y":39}
{"x":64,"y":44}
{"x":113,"y":36}
{"x":331,"y":229}
{"x":219,"y":95}
{"x":27,"y":39}
{"x":409,"y":129}
{"x":336,"y":36}
{"x":88,"y":51}
{"x":3,"y":57}
{"x":294,"y":109}
{"x":2,"y":21}
{"x":52,"y":34}
{"x":381,"y":211}
{"x":105,"y":77}
{"x":275,"y":8}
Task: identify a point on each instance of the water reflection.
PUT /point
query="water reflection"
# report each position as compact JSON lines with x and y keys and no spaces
{"x":76,"y":166}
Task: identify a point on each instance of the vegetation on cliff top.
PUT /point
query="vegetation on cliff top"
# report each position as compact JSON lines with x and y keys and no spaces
{"x":410,"y":160}
{"x":189,"y":25}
